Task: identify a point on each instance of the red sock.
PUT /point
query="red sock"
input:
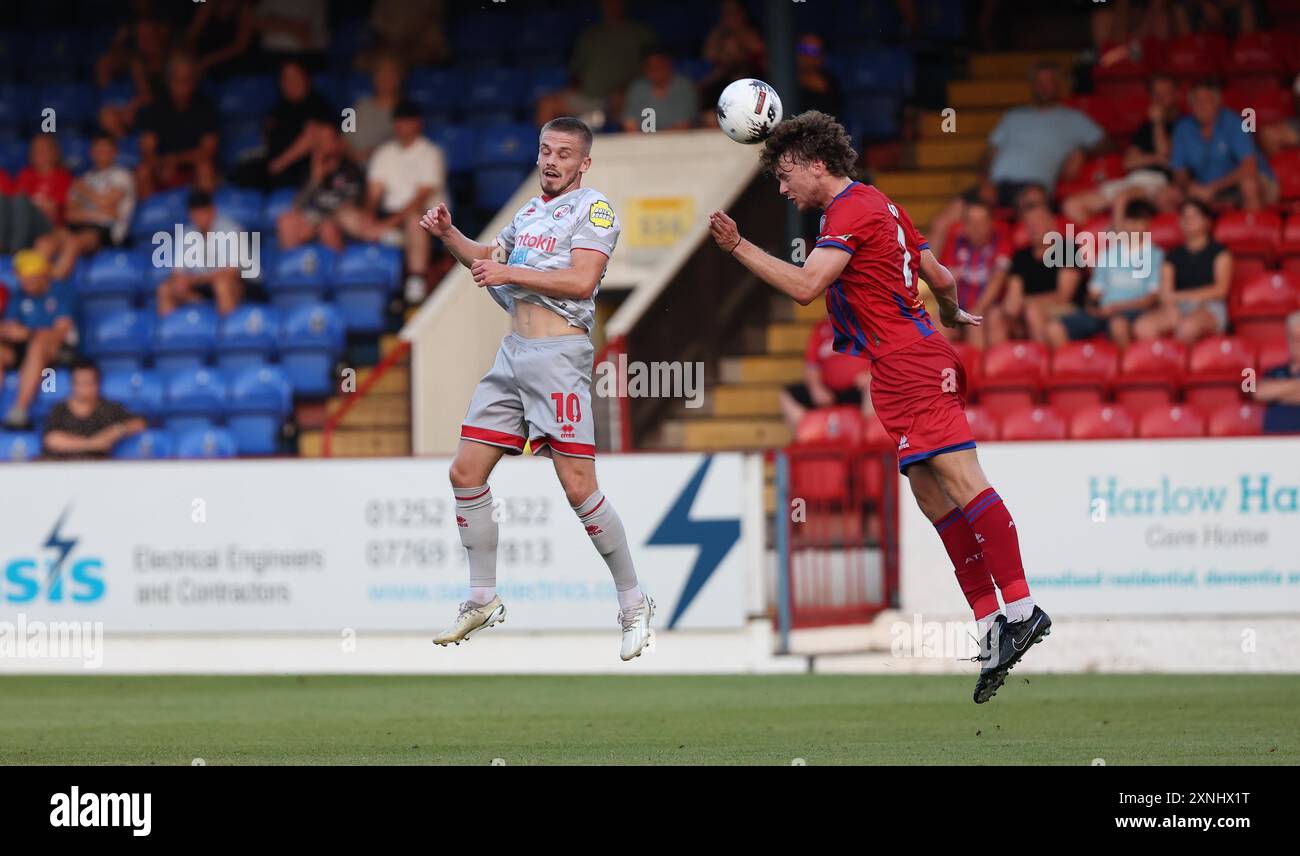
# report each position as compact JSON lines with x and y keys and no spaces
{"x":996,"y":533}
{"x":968,"y":563}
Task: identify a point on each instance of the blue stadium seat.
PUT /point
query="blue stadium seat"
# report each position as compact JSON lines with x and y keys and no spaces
{"x":311,"y":340}
{"x":111,"y":281}
{"x":881,"y":69}
{"x":546,"y":35}
{"x":507,"y":145}
{"x":348,"y":38}
{"x":49,"y":392}
{"x":74,"y":104}
{"x":185,"y":338}
{"x":298,"y":277}
{"x":239,"y":143}
{"x":247,"y":96}
{"x":16,"y":106}
{"x":435,"y":88}
{"x":128,"y":151}
{"x":141,"y":392}
{"x":145,"y":446}
{"x":76,"y":153}
{"x":195,"y":443}
{"x":19,"y":445}
{"x":877,"y":19}
{"x":13,"y":155}
{"x":353,"y":86}
{"x":159,"y":213}
{"x":8,"y":389}
{"x":118,"y":93}
{"x":694,"y":67}
{"x":64,"y":50}
{"x":543,"y":80}
{"x":121,"y":341}
{"x":458,"y":144}
{"x":364,"y":278}
{"x":493,"y":186}
{"x":195,"y":398}
{"x":277,"y":202}
{"x":872,"y":116}
{"x":248,"y":337}
{"x":260,"y":399}
{"x":497,"y":89}
{"x":240,"y":205}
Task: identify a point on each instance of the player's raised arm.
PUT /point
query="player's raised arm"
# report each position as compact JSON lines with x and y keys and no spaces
{"x":437,"y":222}
{"x":944,"y":286}
{"x":804,"y":283}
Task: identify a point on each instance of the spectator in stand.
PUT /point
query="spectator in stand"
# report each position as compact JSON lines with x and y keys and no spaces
{"x":829,"y":378}
{"x":1037,"y":144}
{"x":1125,"y":283}
{"x":293,"y":29}
{"x":735,"y":48}
{"x":178,"y":134}
{"x":44,"y":180}
{"x":669,"y":94}
{"x":85,"y":426}
{"x":410,"y":31}
{"x":1280,"y":388}
{"x":1194,"y":282}
{"x":291,"y":131}
{"x":979,"y":258}
{"x":406,"y":177}
{"x":1146,"y":161}
{"x":37,"y":323}
{"x":375,"y":112}
{"x":1038,"y":292}
{"x":606,"y":57}
{"x":142,"y":52}
{"x":101,"y":202}
{"x":335,"y":182}
{"x":220,"y":35}
{"x":1214,"y":160}
{"x":191,"y":284}
{"x":818,"y":88}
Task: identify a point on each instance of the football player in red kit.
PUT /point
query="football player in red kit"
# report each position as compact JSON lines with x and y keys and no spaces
{"x":867,"y":260}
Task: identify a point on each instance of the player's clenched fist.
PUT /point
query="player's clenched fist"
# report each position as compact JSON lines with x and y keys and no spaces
{"x":724,"y":231}
{"x":487,"y":272}
{"x":437,"y":221}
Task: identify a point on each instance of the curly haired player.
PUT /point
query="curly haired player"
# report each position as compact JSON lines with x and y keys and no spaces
{"x":867,"y":258}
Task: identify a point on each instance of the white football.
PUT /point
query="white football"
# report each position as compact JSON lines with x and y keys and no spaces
{"x":748,"y":109}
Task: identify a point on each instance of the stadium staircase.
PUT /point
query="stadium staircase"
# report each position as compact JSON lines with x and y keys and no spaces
{"x":376,"y":424}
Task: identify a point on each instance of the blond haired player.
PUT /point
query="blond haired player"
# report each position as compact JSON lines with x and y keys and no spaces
{"x":544,"y":269}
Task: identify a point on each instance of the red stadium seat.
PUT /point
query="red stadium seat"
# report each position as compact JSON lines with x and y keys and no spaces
{"x":1128,"y":70}
{"x":1245,"y":269}
{"x":1259,"y":53}
{"x":1165,"y":233}
{"x":1033,"y":423}
{"x":1173,"y":421}
{"x":1261,"y":303}
{"x":872,"y":478}
{"x":1012,"y":376}
{"x":983,"y":424}
{"x":1081,"y":374}
{"x":874,"y":434}
{"x":1200,"y":55}
{"x":819,"y":479}
{"x":1253,"y":233}
{"x":1270,"y":102}
{"x":1236,"y":420}
{"x":1273,"y":353}
{"x":842,"y":425}
{"x":1290,"y":245}
{"x":1094,"y":171}
{"x":1286,"y":166}
{"x":1215,"y":371}
{"x":1104,"y":422}
{"x":1149,"y":373}
{"x":970,"y":360}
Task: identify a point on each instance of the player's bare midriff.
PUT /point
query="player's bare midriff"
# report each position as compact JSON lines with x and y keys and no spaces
{"x":533,"y":321}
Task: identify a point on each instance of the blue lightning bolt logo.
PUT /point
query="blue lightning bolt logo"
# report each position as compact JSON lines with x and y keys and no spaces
{"x":63,"y":544}
{"x":715,"y":539}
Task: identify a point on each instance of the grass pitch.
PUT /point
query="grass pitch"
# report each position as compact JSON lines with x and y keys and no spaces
{"x":1062,"y":719}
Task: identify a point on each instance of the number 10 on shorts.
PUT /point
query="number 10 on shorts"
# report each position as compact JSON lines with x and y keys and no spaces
{"x":567,"y":407}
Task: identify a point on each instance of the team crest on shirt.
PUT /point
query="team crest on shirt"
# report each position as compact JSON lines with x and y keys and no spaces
{"x":601,"y":214}
{"x":563,"y":211}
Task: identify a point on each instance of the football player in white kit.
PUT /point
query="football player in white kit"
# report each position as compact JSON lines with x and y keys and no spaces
{"x":544,"y":269}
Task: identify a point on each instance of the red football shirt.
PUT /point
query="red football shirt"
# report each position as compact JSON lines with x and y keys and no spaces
{"x":874,"y":305}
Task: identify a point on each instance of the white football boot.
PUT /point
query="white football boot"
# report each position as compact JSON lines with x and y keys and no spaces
{"x":472,"y":618}
{"x":636,"y":627}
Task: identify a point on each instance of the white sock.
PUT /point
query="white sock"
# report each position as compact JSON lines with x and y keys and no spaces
{"x":1019,"y":610}
{"x":982,"y":625}
{"x":630,"y":598}
{"x":482,"y":594}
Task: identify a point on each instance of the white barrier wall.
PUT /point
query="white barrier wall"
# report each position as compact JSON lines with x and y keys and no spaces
{"x":1135,"y":528}
{"x":370,"y":545}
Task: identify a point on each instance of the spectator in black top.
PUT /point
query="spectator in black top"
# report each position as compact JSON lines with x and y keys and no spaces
{"x":1194,"y":282}
{"x":1038,"y":294}
{"x":292,"y":130}
{"x":735,"y":48}
{"x":85,"y":425}
{"x":336,"y":181}
{"x":1146,"y":163}
{"x":178,"y":134}
{"x":818,"y":88}
{"x":221,"y":36}
{"x":1280,"y":388}
{"x":140,"y":50}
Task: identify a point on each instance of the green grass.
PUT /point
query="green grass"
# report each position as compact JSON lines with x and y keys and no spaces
{"x":1064,"y":719}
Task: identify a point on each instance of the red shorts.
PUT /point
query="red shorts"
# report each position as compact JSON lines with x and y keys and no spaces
{"x":919,"y":393}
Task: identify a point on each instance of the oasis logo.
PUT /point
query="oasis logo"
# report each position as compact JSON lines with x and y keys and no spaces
{"x":56,"y":575}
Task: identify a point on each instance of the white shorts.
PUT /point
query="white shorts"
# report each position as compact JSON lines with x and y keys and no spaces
{"x":537,"y":390}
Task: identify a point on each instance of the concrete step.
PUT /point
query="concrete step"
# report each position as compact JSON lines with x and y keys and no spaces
{"x":923,"y":211}
{"x":759,"y":399}
{"x":1017,"y":63}
{"x":396,"y":380}
{"x":723,"y":433}
{"x":788,"y":337}
{"x":998,"y":92}
{"x":368,"y":443}
{"x":951,"y":154}
{"x":965,"y":123}
{"x":374,"y":411}
{"x":761,"y":369}
{"x":942,"y":183}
